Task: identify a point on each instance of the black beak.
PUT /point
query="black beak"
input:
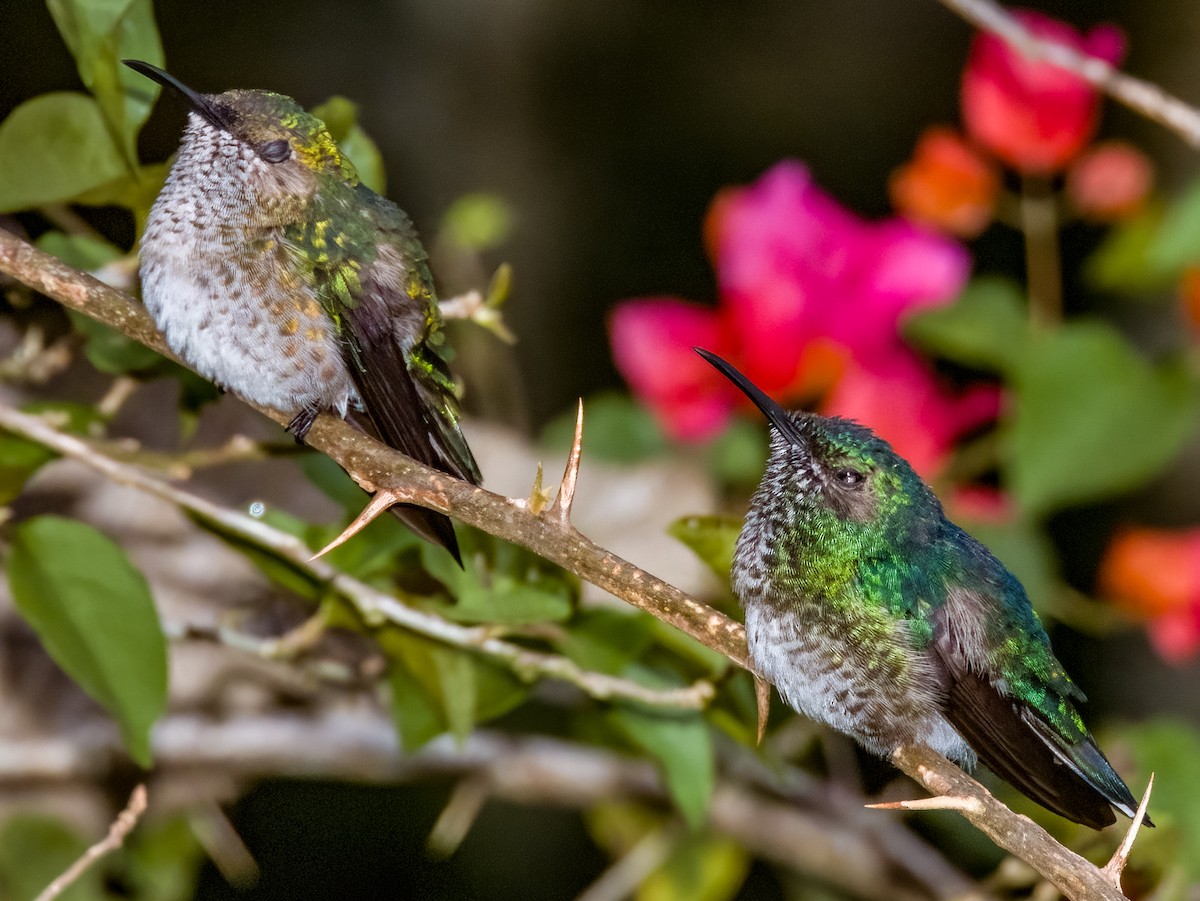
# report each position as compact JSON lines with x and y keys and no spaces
{"x":776,"y":415}
{"x":200,"y":103}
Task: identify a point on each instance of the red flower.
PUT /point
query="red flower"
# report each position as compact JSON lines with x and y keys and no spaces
{"x":1110,"y":181}
{"x":946,"y":185}
{"x":811,"y":296}
{"x":1033,"y":115}
{"x":1154,"y":576}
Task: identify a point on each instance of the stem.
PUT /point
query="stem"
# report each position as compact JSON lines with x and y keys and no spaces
{"x":1043,"y":265}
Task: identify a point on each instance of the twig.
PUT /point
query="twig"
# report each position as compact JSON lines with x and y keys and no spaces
{"x":620,"y":881}
{"x":1115,"y":867}
{"x":1074,"y":876}
{"x":117,"y":832}
{"x":1140,"y":96}
{"x":192,"y":753}
{"x":376,"y":467}
{"x":374,"y":605}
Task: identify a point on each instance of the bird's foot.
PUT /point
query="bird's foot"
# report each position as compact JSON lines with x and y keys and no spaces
{"x":302,"y":422}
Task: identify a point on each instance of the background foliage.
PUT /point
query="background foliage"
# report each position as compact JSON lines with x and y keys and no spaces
{"x":1079,"y":478}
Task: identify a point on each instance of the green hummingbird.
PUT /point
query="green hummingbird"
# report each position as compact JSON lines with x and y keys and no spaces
{"x":273,"y":271}
{"x":873,"y":613}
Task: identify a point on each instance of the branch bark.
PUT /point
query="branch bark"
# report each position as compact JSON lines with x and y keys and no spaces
{"x":379,"y":468}
{"x":1141,"y":96}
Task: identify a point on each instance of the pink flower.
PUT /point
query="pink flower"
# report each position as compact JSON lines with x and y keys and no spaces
{"x":1033,"y":115}
{"x":1110,"y":181}
{"x":811,"y":296}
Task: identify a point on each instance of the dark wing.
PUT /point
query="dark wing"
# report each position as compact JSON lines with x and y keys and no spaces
{"x":387,"y":315}
{"x":1013,"y":703}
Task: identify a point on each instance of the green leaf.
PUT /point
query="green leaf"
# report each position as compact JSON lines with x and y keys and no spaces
{"x":711,"y":538}
{"x":1176,"y":243}
{"x":682,"y":744}
{"x":99,"y":34}
{"x":478,"y":222}
{"x":341,"y":118}
{"x":1171,"y":750}
{"x":1126,"y":259}
{"x":110,"y":351}
{"x":19,"y":460}
{"x":81,"y":251}
{"x":53,"y":148}
{"x":436,"y":688}
{"x":163,"y":860}
{"x":700,"y":868}
{"x":93,"y":612}
{"x":1082,"y":394}
{"x":34,"y":851}
{"x":986,"y":328}
{"x":500,"y":583}
{"x":739,"y":454}
{"x":618,"y":429}
{"x":607,"y":640}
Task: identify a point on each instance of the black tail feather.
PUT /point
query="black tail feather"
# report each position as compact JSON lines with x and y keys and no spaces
{"x":1010,"y":747}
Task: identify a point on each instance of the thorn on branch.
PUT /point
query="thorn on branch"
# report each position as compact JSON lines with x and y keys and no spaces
{"x":762,"y":696}
{"x":1113,"y":869}
{"x":566,"y":490}
{"x":380,"y":503}
{"x":940,"y":802}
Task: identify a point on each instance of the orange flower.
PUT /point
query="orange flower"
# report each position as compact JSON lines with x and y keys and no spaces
{"x":946,"y":184}
{"x":1154,"y":576}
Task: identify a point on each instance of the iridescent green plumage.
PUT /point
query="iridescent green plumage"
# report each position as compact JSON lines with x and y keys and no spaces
{"x":873,"y":613}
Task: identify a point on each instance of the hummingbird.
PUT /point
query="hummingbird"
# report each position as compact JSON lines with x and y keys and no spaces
{"x":273,"y":271}
{"x":874,"y":614}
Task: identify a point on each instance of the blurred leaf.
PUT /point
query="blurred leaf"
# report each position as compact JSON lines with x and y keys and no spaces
{"x":99,"y":34}
{"x":281,"y":572}
{"x":712,"y":539}
{"x":93,"y":612}
{"x":53,"y":148}
{"x":136,"y":190}
{"x":34,"y":851}
{"x":682,"y":744}
{"x":1082,"y":392}
{"x":162,"y":860}
{"x":1126,"y":258}
{"x":1171,"y":750}
{"x":986,"y":328}
{"x":739,"y":454}
{"x":436,"y":688}
{"x":19,"y":460}
{"x":700,"y":868}
{"x":478,"y":221}
{"x":500,"y":583}
{"x":1176,"y":243}
{"x":341,"y":118}
{"x":615,"y":428}
{"x":110,"y":351}
{"x":607,"y":640}
{"x":81,"y":251}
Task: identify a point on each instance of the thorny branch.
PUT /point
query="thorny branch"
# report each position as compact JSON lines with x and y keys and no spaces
{"x":1141,"y":96}
{"x":380,"y":469}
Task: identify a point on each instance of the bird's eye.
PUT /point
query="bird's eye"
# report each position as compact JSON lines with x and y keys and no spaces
{"x":275,"y":151}
{"x":850,"y":478}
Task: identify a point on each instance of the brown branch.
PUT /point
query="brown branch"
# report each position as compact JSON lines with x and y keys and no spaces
{"x":1141,"y":96}
{"x":379,"y":468}
{"x":1074,"y":876}
{"x":120,"y":828}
